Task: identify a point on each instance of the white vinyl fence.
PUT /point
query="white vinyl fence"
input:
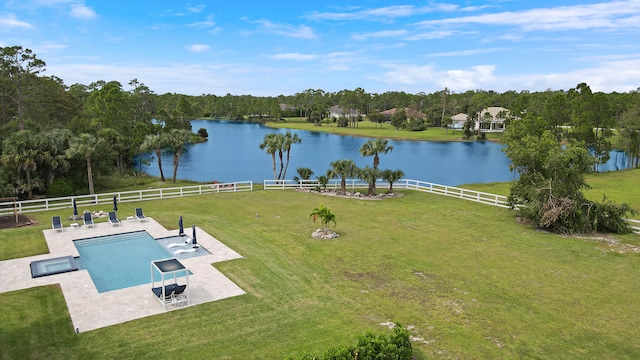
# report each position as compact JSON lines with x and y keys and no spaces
{"x":7,"y":208}
{"x":353,"y":184}
{"x":26,"y":206}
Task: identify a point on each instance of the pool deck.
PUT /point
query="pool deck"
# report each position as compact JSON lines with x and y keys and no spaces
{"x":90,"y":309}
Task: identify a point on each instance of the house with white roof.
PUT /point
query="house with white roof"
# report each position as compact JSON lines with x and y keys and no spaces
{"x":490,"y":119}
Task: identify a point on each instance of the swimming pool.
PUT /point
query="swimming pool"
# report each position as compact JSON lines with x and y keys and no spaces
{"x":122,"y":260}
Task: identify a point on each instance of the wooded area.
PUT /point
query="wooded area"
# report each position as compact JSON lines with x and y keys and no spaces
{"x":57,"y":137}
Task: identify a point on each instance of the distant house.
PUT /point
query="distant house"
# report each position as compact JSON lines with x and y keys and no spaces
{"x":410,"y":114}
{"x":490,"y":119}
{"x":285,"y":107}
{"x":458,"y":120}
{"x":337,"y":112}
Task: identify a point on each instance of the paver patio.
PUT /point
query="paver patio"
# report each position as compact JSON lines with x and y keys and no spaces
{"x":90,"y":309}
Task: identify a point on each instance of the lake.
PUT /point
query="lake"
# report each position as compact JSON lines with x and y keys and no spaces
{"x":232,"y":153}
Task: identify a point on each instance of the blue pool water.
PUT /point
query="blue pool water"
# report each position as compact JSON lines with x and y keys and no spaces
{"x":122,"y":260}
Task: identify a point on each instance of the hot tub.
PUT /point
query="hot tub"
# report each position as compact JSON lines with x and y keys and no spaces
{"x":54,"y":266}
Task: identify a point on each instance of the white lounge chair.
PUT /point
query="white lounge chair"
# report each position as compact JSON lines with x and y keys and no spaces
{"x":140,"y":216}
{"x":87,"y":219}
{"x":56,"y":223}
{"x":113,"y":219}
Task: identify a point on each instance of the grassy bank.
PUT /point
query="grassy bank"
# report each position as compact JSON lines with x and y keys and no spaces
{"x":371,"y":129}
{"x":471,"y":281}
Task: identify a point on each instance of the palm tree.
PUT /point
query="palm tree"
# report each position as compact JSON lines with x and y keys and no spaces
{"x":270,"y":143}
{"x":156,"y":142}
{"x":178,"y":138}
{"x":325,"y":215}
{"x":289,"y":140}
{"x":304,"y":173}
{"x":392,"y":176}
{"x":373,"y":148}
{"x":343,"y":169}
{"x":85,"y":145}
{"x":323,"y":180}
{"x":20,"y":152}
{"x":370,"y":175}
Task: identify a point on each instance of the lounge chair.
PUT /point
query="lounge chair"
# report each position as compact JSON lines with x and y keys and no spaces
{"x":56,"y":223}
{"x":168,"y":293}
{"x":139,"y":215}
{"x":87,"y":219}
{"x":113,"y":219}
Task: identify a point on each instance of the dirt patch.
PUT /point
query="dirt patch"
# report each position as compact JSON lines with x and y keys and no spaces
{"x":614,"y":244}
{"x":9,"y":221}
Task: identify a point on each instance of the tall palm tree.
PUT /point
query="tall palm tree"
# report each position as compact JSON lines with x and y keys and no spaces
{"x":20,"y":152}
{"x":178,"y":138}
{"x":156,"y":142}
{"x":85,"y":145}
{"x":270,"y":143}
{"x":392,"y":176}
{"x":375,"y":147}
{"x":289,"y":140}
{"x":342,"y":169}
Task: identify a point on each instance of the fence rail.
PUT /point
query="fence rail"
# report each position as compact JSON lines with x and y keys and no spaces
{"x":26,"y":206}
{"x":352,"y":184}
{"x":634,"y":225}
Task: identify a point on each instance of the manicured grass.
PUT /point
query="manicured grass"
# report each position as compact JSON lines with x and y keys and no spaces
{"x":371,"y":129}
{"x":471,"y":281}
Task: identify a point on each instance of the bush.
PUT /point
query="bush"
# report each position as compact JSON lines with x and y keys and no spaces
{"x":202,"y":132}
{"x":396,"y":346}
{"x":60,"y":188}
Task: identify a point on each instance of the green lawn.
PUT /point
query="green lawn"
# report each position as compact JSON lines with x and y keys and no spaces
{"x":371,"y":129}
{"x":471,"y":281}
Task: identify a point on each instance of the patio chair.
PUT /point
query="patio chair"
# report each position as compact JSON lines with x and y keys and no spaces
{"x":113,"y":219}
{"x":139,"y":215}
{"x":179,"y":298}
{"x":88,"y":220}
{"x":168,"y":293}
{"x":56,"y":223}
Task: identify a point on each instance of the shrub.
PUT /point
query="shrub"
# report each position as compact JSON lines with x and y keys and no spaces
{"x":396,"y":346}
{"x":60,"y":188}
{"x":202,"y":132}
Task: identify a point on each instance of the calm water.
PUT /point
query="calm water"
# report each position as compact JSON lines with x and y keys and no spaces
{"x":233,"y":154}
{"x":123,"y":260}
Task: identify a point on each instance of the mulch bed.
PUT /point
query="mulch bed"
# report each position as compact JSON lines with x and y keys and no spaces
{"x":9,"y":221}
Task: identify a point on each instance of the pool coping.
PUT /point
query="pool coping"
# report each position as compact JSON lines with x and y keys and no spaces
{"x":89,"y":309}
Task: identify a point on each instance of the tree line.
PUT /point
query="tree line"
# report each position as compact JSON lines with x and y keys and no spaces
{"x":55,"y":137}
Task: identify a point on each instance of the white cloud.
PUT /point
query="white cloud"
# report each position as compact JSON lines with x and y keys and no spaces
{"x":196,"y":9}
{"x":300,"y":31}
{"x":377,"y":14}
{"x":379,"y":34}
{"x":10,"y":21}
{"x":431,"y":35}
{"x":468,"y":52}
{"x":82,"y":12}
{"x":196,"y":48}
{"x":610,"y":15}
{"x":295,"y":56}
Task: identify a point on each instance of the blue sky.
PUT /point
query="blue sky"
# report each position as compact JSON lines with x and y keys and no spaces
{"x":267,"y":48}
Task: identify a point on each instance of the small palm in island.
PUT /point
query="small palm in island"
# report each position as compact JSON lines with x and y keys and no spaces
{"x":326,"y":216}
